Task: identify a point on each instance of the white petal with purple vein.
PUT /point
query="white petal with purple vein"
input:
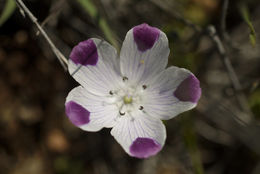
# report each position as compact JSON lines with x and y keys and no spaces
{"x":130,"y":95}
{"x":88,"y":111}
{"x":144,"y":53}
{"x":174,"y":91}
{"x":93,"y":63}
{"x":141,"y":136}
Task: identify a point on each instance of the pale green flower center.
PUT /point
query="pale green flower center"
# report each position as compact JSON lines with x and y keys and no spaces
{"x":128,"y":99}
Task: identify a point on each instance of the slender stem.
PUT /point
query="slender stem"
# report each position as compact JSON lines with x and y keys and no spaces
{"x":221,"y":49}
{"x":191,"y":143}
{"x":211,"y":32}
{"x":56,"y":51}
{"x":101,"y":22}
{"x":230,"y":70}
{"x":223,"y":18}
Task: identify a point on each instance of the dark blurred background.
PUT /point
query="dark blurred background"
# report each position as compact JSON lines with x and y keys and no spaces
{"x":220,"y":136}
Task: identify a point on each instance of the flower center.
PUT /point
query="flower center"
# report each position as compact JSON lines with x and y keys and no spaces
{"x":128,"y":99}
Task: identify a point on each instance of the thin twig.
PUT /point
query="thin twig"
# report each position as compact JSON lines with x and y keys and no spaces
{"x":21,"y":10}
{"x":53,"y":14}
{"x":211,"y":32}
{"x":60,"y":56}
{"x":213,"y":35}
{"x":221,"y":49}
{"x":230,"y":70}
{"x":226,"y":118}
{"x":223,"y":18}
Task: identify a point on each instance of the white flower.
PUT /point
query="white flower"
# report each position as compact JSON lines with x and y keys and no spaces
{"x":131,"y":95}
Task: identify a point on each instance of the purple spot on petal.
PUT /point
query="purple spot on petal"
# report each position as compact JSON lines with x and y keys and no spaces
{"x":145,"y":36}
{"x":77,"y":114}
{"x":189,"y":90}
{"x":144,"y":147}
{"x":85,"y":53}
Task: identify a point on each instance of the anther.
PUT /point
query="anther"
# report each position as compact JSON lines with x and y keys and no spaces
{"x":111,"y":93}
{"x":125,"y":78}
{"x":144,"y":86}
{"x":121,"y":113}
{"x":141,"y":108}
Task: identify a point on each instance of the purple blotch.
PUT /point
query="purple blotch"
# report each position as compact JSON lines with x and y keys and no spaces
{"x":85,"y":53}
{"x":189,"y":90}
{"x":145,"y":36}
{"x":76,"y":113}
{"x":144,"y":147}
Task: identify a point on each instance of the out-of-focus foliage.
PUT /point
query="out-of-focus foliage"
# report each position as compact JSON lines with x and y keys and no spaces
{"x":191,"y":143}
{"x":36,"y":136}
{"x":254,"y":101}
{"x":246,"y":16}
{"x":90,"y":8}
{"x":7,"y":11}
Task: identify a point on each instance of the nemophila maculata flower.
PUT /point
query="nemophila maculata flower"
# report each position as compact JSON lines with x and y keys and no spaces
{"x":130,"y":94}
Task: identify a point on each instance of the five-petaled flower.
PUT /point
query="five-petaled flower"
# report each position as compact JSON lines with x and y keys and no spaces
{"x":132,"y":94}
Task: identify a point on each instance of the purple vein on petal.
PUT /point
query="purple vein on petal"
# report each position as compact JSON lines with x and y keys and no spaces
{"x":85,"y":53}
{"x":77,"y":114}
{"x":144,"y":147}
{"x":145,"y":36}
{"x":189,"y":90}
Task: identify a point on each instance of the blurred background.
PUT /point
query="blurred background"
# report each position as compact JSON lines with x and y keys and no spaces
{"x":220,"y":136}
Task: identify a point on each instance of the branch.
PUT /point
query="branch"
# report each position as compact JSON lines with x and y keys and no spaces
{"x":24,"y":10}
{"x":230,"y":70}
{"x":232,"y":75}
{"x":223,"y":18}
{"x":211,"y":32}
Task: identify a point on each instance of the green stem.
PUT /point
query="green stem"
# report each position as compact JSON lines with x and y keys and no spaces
{"x":190,"y":140}
{"x":91,"y":9}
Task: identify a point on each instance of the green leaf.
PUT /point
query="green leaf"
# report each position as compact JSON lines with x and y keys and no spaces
{"x":254,"y":102}
{"x":190,"y":140}
{"x":252,"y":39}
{"x":246,"y":16}
{"x":8,"y":11}
{"x":91,"y":9}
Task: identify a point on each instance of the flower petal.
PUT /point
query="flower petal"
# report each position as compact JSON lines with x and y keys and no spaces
{"x":88,"y":111}
{"x":144,"y":53}
{"x":173,"y":91}
{"x":93,"y":63}
{"x":141,"y":136}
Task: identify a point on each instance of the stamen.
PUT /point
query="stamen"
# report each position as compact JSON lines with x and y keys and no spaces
{"x":144,"y":86}
{"x":111,"y":93}
{"x":141,"y":108}
{"x":125,"y":78}
{"x":121,"y":113}
{"x":122,"y":109}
